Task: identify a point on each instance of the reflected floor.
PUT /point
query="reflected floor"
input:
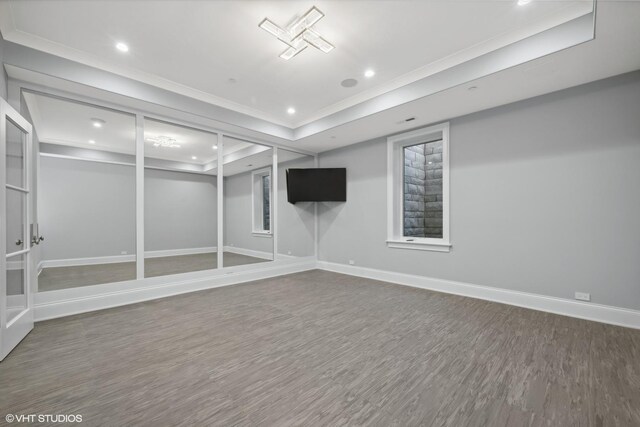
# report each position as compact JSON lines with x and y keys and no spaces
{"x":55,"y":278}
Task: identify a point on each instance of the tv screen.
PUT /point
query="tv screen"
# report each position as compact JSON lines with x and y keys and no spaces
{"x":317,"y":185}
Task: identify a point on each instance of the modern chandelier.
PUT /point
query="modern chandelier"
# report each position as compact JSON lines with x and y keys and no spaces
{"x":299,"y":35}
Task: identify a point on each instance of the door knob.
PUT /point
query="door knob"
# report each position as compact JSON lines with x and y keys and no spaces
{"x":18,"y":242}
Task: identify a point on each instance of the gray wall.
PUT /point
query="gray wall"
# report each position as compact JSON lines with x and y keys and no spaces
{"x":87,"y":209}
{"x":180,"y":210}
{"x":544,"y":198}
{"x":296,"y":224}
{"x":237,"y":216}
{"x":3,"y":73}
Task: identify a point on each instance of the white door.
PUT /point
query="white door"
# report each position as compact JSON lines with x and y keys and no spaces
{"x":16,"y":296}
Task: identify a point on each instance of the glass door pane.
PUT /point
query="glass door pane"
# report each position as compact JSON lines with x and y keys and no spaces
{"x":16,"y":281}
{"x":15,"y":156}
{"x":16,"y":208}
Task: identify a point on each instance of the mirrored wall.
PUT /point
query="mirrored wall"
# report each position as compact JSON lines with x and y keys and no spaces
{"x":180,"y":199}
{"x":248,"y":210}
{"x":86,"y":193}
{"x":86,"y":197}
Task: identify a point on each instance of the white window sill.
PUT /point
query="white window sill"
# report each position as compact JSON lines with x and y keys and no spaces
{"x":266,"y":234}
{"x":419,"y":245}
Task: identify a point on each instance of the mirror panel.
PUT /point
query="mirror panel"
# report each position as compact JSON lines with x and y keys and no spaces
{"x":296,"y":223}
{"x":180,"y":199}
{"x":248,"y":236}
{"x":85,"y":193}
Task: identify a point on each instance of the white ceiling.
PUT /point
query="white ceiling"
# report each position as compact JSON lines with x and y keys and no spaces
{"x":195,"y":47}
{"x":615,"y":50}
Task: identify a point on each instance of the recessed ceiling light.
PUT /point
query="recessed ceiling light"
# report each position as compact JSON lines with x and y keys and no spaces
{"x":91,"y":141}
{"x":369,"y":73}
{"x":523,"y":2}
{"x":215,"y":147}
{"x":291,"y":110}
{"x":97,"y":123}
{"x":194,"y":158}
{"x":122,"y":47}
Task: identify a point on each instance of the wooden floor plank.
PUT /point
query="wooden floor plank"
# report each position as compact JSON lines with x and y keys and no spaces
{"x":319,"y":348}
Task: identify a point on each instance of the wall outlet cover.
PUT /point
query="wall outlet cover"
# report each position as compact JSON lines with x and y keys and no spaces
{"x":583,"y":296}
{"x":123,"y":252}
{"x":352,"y":262}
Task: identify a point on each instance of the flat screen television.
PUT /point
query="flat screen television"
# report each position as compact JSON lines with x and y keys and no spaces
{"x":317,"y":185}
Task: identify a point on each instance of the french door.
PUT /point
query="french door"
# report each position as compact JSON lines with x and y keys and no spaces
{"x":16,"y":296}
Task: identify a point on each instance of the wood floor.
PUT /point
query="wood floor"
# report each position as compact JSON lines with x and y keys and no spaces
{"x":54,"y":278}
{"x":319,"y":348}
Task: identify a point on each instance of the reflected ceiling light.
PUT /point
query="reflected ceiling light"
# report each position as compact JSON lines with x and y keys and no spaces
{"x":122,"y":47}
{"x":97,"y":123}
{"x":194,"y":158}
{"x":91,"y":141}
{"x":215,"y":147}
{"x":299,"y":35}
{"x":523,"y":2}
{"x":163,"y":141}
{"x":369,"y":73}
{"x":291,"y":110}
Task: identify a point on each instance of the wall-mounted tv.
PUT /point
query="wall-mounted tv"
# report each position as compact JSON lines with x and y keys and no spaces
{"x":317,"y":185}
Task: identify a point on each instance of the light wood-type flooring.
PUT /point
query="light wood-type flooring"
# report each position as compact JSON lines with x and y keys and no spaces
{"x":324,"y":349}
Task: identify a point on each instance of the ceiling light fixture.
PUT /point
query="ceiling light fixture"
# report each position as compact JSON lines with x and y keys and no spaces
{"x":91,"y":141}
{"x":523,"y":2}
{"x":299,"y":35}
{"x":215,"y":147}
{"x":291,"y":110}
{"x":163,"y":141}
{"x":122,"y":47}
{"x":97,"y":123}
{"x":194,"y":158}
{"x":369,"y":73}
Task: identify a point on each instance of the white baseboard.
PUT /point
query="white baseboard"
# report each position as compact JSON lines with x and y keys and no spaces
{"x":74,"y":262}
{"x":176,"y":252}
{"x":249,"y":252}
{"x":49,"y":305}
{"x":582,"y":310}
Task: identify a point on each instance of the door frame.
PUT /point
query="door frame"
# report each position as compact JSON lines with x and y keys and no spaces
{"x":13,"y":331}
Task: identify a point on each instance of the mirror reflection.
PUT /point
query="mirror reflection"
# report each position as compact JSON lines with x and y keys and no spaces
{"x":85,"y":193}
{"x":248,"y":208}
{"x":180,"y":199}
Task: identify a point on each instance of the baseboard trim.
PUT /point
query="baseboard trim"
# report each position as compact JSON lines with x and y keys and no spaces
{"x":46,"y":309}
{"x":75,"y":262}
{"x":588,"y":311}
{"x":249,"y":252}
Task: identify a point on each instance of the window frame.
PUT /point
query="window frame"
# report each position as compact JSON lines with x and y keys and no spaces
{"x":395,"y":189}
{"x":257,"y":200}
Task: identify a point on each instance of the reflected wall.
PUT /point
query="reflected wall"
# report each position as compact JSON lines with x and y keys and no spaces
{"x":180,"y":199}
{"x":248,"y":203}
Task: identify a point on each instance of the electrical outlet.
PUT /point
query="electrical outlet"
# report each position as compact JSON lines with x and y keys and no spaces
{"x":583,"y":296}
{"x":288,"y":252}
{"x":123,"y":252}
{"x":352,"y":262}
